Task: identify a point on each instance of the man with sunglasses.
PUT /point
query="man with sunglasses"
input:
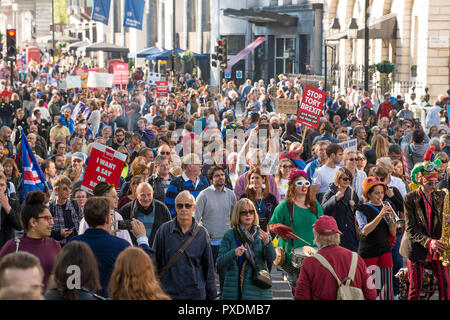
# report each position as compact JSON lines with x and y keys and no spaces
{"x":191,"y":276}
{"x":420,"y":244}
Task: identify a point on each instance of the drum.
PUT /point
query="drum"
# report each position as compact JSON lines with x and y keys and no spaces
{"x":300,"y":254}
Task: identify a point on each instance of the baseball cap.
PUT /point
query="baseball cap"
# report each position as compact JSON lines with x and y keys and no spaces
{"x":326,"y":226}
{"x":78,"y":155}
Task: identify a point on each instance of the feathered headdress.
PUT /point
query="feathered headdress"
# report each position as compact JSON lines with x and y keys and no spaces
{"x":427,"y":167}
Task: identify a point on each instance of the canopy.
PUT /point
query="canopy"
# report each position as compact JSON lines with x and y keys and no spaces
{"x":164,"y":55}
{"x":76,"y":45}
{"x":104,"y":46}
{"x":146,"y":52}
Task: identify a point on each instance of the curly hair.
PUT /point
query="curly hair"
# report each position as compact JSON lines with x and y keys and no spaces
{"x":310,"y":198}
{"x":134,"y":277}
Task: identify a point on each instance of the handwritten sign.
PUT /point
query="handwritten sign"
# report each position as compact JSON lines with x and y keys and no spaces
{"x":350,"y":144}
{"x":100,"y":80}
{"x":162,"y":89}
{"x":286,"y":106}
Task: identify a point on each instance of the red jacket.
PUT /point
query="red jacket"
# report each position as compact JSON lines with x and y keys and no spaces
{"x":315,"y":282}
{"x":384,"y":109}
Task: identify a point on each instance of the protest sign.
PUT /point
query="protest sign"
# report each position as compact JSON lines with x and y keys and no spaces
{"x":162,"y":89}
{"x":105,"y":164}
{"x":286,"y":106}
{"x":311,"y":106}
{"x":121,"y":73}
{"x":349,"y":144}
{"x":73,"y":82}
{"x":407,"y":174}
{"x":100,"y":80}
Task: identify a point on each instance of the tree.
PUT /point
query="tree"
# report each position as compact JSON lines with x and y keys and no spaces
{"x":61,"y":15}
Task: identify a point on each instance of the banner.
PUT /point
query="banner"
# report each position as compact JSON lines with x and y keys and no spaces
{"x":153,"y":78}
{"x":310,"y":108}
{"x":286,"y":106}
{"x":100,"y":80}
{"x":134,"y":12}
{"x":100,"y":11}
{"x":105,"y":164}
{"x":350,"y":144}
{"x":252,"y":46}
{"x":73,"y":82}
{"x":32,"y":176}
{"x":121,"y":73}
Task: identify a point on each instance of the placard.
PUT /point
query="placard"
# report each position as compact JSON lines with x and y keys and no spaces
{"x":73,"y":82}
{"x":286,"y":106}
{"x":310,"y":108}
{"x":350,"y":144}
{"x":162,"y":89}
{"x":121,"y":73}
{"x":407,"y":174}
{"x":105,"y":164}
{"x":100,"y":80}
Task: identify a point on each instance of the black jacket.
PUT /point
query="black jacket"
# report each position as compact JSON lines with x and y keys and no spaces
{"x":55,"y":294}
{"x":342,"y":212}
{"x":9,"y":222}
{"x":159,"y":192}
{"x":162,"y":214}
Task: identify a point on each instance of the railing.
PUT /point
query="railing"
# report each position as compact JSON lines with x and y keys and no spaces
{"x":311,"y":79}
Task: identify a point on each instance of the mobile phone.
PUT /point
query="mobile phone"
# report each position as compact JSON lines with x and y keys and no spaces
{"x":70,"y":229}
{"x":124,"y":225}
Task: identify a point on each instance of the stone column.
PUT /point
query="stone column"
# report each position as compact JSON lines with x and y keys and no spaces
{"x":200,"y":18}
{"x":316,"y":55}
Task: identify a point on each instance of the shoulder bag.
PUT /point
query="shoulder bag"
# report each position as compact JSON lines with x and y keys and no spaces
{"x":173,"y":259}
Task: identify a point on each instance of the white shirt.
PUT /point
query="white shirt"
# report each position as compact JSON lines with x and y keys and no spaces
{"x":283,"y":187}
{"x":399,"y":184}
{"x":433,"y":118}
{"x":358,"y":179}
{"x":323,"y":177}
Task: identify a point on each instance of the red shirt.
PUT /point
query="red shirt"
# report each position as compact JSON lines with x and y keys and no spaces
{"x":315,"y":282}
{"x":384,"y":109}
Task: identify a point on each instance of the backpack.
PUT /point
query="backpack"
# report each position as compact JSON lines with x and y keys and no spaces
{"x":345,"y":289}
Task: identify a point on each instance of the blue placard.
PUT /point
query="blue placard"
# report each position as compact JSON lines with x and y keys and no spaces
{"x":100,"y":11}
{"x":134,"y":12}
{"x":227,"y":75}
{"x":238,"y":74}
{"x":448,"y":113}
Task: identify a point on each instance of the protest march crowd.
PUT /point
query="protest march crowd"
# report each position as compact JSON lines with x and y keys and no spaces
{"x":218,"y":189}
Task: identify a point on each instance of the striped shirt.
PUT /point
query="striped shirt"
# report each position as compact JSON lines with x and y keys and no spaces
{"x":180,"y":184}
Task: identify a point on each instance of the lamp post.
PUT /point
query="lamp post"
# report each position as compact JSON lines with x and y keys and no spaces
{"x":366,"y":45}
{"x":335,"y":27}
{"x":53,"y":28}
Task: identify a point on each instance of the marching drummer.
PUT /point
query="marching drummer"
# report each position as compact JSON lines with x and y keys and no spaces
{"x":301,"y":204}
{"x":316,"y":282}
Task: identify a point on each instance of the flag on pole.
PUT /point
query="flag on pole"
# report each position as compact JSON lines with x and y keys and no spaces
{"x":32,"y":176}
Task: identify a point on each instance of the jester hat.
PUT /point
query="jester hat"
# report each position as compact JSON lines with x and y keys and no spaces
{"x":427,"y":168}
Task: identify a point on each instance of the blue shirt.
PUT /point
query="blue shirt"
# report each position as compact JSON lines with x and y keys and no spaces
{"x":312,"y":167}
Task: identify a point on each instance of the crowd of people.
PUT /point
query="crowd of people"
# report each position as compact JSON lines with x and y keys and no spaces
{"x":217,"y":187}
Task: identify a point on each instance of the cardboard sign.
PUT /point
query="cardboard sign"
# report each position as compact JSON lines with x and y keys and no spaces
{"x":105,"y":164}
{"x":121,"y":73}
{"x":100,"y":80}
{"x":286,"y":106}
{"x":162,"y":89}
{"x":310,"y":108}
{"x":73,"y":82}
{"x":350,"y":144}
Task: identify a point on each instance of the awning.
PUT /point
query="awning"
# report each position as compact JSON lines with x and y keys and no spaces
{"x":262,"y":18}
{"x":104,"y":46}
{"x":146,"y":52}
{"x":382,"y":28}
{"x":165,"y":55}
{"x":76,"y":45}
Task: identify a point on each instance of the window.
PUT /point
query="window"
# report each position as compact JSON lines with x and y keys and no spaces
{"x":235,"y":43}
{"x":285,"y":55}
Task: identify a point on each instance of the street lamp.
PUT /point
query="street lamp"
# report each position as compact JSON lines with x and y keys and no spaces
{"x":352,"y":32}
{"x":335,"y":28}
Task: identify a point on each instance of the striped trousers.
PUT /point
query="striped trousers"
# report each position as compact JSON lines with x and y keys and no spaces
{"x":415,"y":270}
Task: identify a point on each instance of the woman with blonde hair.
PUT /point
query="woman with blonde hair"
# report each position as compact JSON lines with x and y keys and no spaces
{"x":285,"y":167}
{"x":134,"y":277}
{"x":379,"y":149}
{"x":244,"y":248}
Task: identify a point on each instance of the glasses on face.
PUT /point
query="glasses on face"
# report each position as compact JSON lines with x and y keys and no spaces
{"x":346,"y":179}
{"x":360,"y":158}
{"x":287,"y":166}
{"x":80,"y":197}
{"x":247,"y":212}
{"x":164,"y":153}
{"x":351,"y":159}
{"x":444,"y":161}
{"x":301,"y":183}
{"x":48,"y":218}
{"x":432,"y":183}
{"x":184,"y":205}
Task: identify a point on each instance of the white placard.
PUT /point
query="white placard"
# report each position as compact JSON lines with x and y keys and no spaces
{"x":100,"y":80}
{"x":73,"y":82}
{"x":350,"y":144}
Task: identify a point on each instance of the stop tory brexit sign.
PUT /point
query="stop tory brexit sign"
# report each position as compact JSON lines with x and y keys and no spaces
{"x":311,"y":106}
{"x":105,"y":164}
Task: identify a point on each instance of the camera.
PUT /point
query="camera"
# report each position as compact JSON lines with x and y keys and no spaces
{"x":416,"y":122}
{"x":124,"y":225}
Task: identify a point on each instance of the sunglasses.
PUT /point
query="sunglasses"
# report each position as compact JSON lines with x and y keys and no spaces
{"x":444,"y":161}
{"x":184,"y":205}
{"x":351,"y":159}
{"x":164,"y":153}
{"x":432,"y":183}
{"x":360,"y":158}
{"x":247,"y":212}
{"x":48,"y":218}
{"x":290,"y":167}
{"x":346,"y":179}
{"x":302,"y":183}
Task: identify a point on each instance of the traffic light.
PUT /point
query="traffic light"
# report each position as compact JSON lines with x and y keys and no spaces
{"x":214,"y":61}
{"x":222,"y":53}
{"x":11,"y":50}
